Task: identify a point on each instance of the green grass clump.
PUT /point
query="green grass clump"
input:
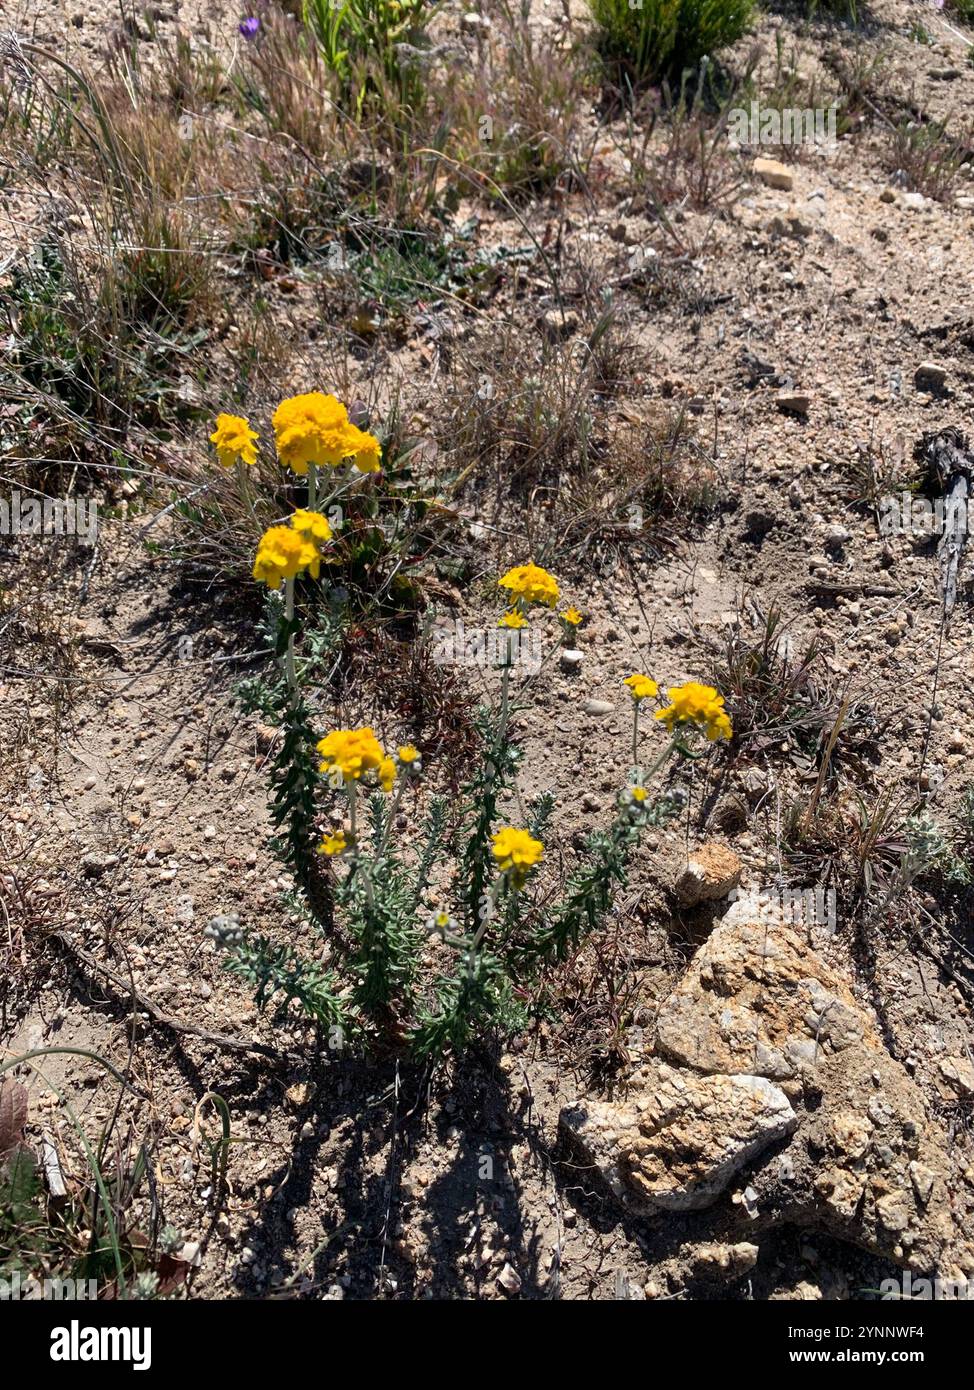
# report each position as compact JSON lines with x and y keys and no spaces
{"x":648,"y":40}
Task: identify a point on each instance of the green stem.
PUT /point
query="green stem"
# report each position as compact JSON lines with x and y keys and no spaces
{"x":661,"y":759}
{"x":488,"y":914}
{"x":244,"y":488}
{"x":359,"y":866}
{"x":289,"y":619}
{"x":505,"y":697}
{"x":635,"y":734}
{"x":393,"y":810}
{"x":312,"y":487}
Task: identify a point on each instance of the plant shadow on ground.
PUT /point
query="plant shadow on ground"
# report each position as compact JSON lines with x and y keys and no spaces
{"x":370,"y":1193}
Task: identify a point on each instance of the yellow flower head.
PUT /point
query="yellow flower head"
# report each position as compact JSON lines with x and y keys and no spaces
{"x":312,"y":525}
{"x":638,"y":793}
{"x":641,"y":687}
{"x":314,"y":428}
{"x":571,"y":616}
{"x":283,"y":553}
{"x":512,"y":619}
{"x":387,"y":774}
{"x":531,"y":584}
{"x":336,"y":843}
{"x":234,"y":440}
{"x":408,"y":754}
{"x":697,"y":704}
{"x":516,"y":852}
{"x":350,"y":752}
{"x":365,"y":451}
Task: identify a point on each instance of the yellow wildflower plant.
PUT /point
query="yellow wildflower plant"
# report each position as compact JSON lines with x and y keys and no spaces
{"x":515,"y":853}
{"x":234,"y":440}
{"x":387,"y":774}
{"x":641,"y":687}
{"x":314,"y":429}
{"x":351,"y":752}
{"x":571,"y":617}
{"x":531,"y":584}
{"x":699,"y":705}
{"x":284,"y":553}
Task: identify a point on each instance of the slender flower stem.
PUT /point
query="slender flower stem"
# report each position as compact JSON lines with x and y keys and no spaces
{"x":359,"y":865}
{"x":635,"y":734}
{"x":289,"y":619}
{"x":661,"y":759}
{"x":393,"y":810}
{"x":244,"y":488}
{"x":505,"y":697}
{"x":496,"y":887}
{"x":312,"y":487}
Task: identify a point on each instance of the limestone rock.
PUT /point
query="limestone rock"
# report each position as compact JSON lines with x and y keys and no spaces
{"x":712,"y":872}
{"x":724,"y":1259}
{"x":865,"y":1163}
{"x":774,"y":174}
{"x":793,"y":402}
{"x":95,"y":864}
{"x":758,"y":1000}
{"x":868,"y":1165}
{"x":958,"y":1072}
{"x":676,"y":1144}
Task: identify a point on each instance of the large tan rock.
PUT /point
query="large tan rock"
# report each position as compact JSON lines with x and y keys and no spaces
{"x":862,"y":1157}
{"x":676,"y":1144}
{"x":757,"y":999}
{"x":866,"y":1162}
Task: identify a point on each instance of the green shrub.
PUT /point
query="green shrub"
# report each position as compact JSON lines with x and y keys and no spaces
{"x":371,"y":45}
{"x":648,"y":40}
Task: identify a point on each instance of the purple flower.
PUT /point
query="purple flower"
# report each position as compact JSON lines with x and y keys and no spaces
{"x":249,"y":27}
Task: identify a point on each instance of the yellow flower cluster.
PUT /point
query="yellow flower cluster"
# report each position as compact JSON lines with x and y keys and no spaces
{"x":315,"y":429}
{"x":312,"y":525}
{"x":286,"y":551}
{"x":354,"y":752}
{"x":338,"y":842}
{"x":641,"y":687}
{"x":234,"y":440}
{"x":410,"y":758}
{"x":696,"y":704}
{"x":513,"y":619}
{"x":531,"y":584}
{"x":516,"y":852}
